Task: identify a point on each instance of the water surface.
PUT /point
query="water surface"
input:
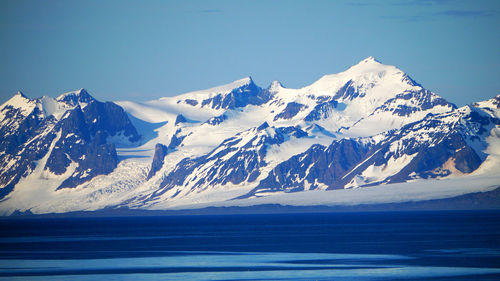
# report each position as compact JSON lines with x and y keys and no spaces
{"x":326,"y":246}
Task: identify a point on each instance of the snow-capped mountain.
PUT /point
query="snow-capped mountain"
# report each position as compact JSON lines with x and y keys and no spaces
{"x":69,"y":138}
{"x":437,"y":146}
{"x":370,"y":125}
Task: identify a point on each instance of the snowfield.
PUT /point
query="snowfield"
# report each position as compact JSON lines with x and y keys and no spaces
{"x":368,"y":135}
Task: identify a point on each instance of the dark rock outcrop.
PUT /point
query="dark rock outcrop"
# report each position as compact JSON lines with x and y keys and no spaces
{"x":216,"y":120}
{"x":110,"y":118}
{"x":99,"y":158}
{"x":318,"y":165}
{"x":290,"y":111}
{"x":160,"y":152}
{"x":175,"y":141}
{"x":321,"y":110}
{"x":347,"y":92}
{"x":180,"y":119}
{"x":191,"y":102}
{"x":239,"y":97}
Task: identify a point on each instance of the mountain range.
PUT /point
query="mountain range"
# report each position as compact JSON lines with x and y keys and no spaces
{"x":368,"y":134}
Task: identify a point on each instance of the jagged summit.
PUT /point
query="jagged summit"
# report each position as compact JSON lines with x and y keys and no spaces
{"x":367,"y":78}
{"x":76,"y":93}
{"x":247,"y":80}
{"x":275,"y":86}
{"x":222,"y":89}
{"x":20,"y":101}
{"x":371,"y":65}
{"x":492,"y":104}
{"x":18,"y":96}
{"x":76,"y":97}
{"x":19,"y":93}
{"x":370,"y":59}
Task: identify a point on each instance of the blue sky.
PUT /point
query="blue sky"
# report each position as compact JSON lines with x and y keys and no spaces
{"x":142,"y":50}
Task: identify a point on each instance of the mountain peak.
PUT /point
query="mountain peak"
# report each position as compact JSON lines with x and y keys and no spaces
{"x":493,"y":103}
{"x":18,"y":97}
{"x":19,"y":93}
{"x":76,"y":97}
{"x":19,"y":100}
{"x":369,"y":59}
{"x":275,"y":85}
{"x":368,"y":63}
{"x":244,"y":81}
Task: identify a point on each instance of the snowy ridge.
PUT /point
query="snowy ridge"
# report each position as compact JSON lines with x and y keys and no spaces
{"x":18,"y":101}
{"x":208,"y":93}
{"x":189,"y":104}
{"x":367,"y":128}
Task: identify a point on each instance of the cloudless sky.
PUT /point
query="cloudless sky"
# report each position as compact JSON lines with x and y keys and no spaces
{"x":142,"y":50}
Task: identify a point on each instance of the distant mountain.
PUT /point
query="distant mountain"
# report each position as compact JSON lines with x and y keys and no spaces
{"x":70,"y":138}
{"x":437,"y":146}
{"x":371,"y":125}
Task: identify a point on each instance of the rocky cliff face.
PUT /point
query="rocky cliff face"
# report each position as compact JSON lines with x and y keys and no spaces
{"x":160,"y":152}
{"x":236,"y":160}
{"x":68,"y":136}
{"x":319,"y":167}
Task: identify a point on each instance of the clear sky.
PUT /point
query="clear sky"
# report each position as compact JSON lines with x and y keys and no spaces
{"x":142,"y":50}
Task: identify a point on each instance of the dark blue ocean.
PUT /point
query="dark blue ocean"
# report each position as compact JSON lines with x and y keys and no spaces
{"x":313,"y":246}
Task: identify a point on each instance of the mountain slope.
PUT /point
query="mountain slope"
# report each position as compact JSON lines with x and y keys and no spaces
{"x":436,"y":146}
{"x":68,"y":136}
{"x":370,"y":125}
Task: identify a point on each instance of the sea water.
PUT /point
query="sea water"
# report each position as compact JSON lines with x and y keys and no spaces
{"x":448,"y":245}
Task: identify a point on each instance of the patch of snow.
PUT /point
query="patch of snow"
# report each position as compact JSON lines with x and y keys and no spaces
{"x":391,"y":167}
